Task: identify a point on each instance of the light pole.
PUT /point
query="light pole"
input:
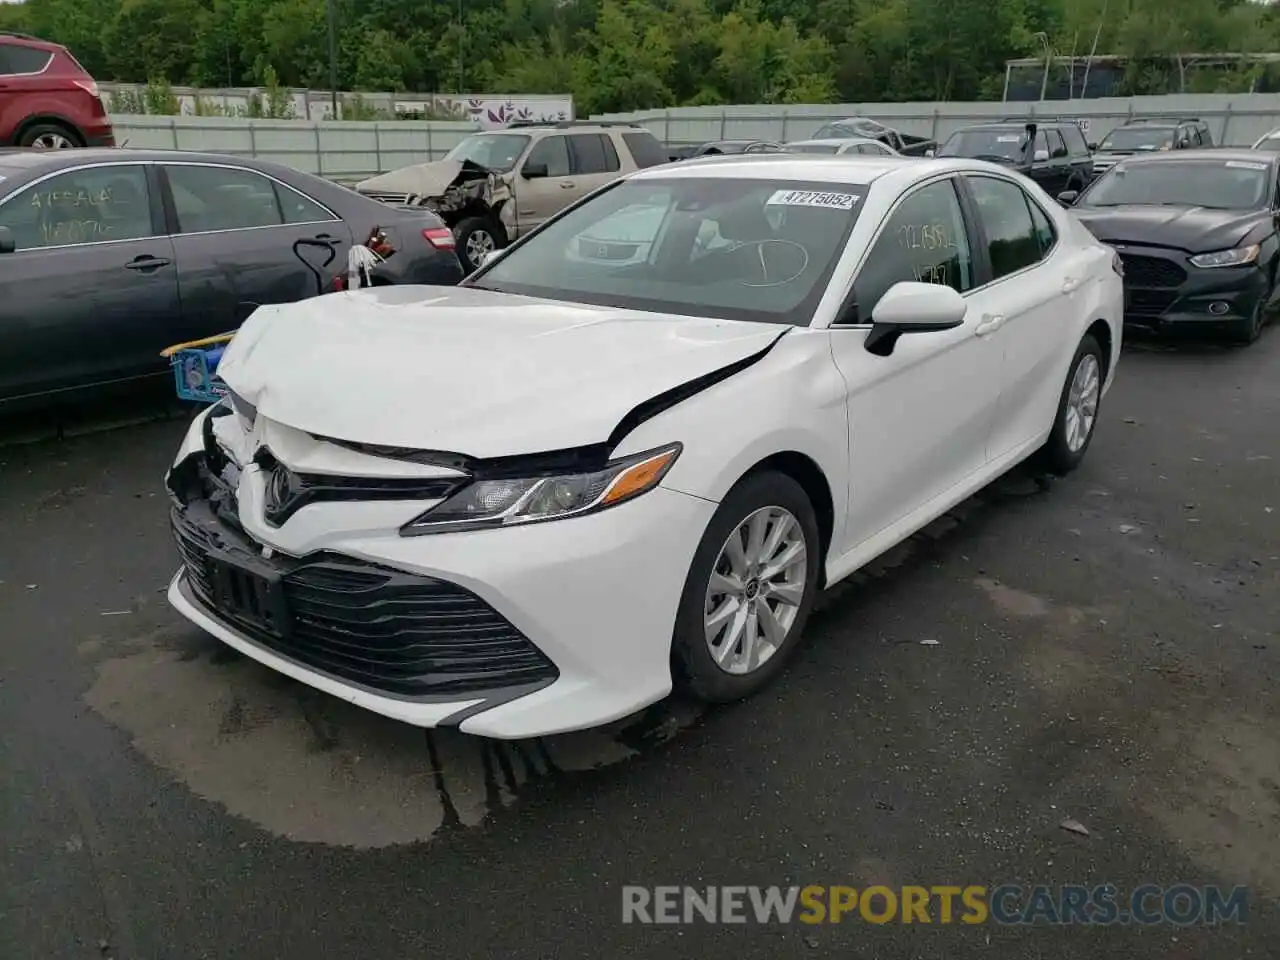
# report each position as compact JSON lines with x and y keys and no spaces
{"x":333,"y":56}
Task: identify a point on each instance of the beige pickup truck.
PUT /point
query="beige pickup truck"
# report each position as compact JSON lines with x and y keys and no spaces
{"x":497,"y":185}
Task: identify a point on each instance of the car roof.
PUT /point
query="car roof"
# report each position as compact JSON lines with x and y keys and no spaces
{"x":1018,"y":125}
{"x":851,"y":169}
{"x":1220,"y":154}
{"x":24,"y":159}
{"x":839,"y":141}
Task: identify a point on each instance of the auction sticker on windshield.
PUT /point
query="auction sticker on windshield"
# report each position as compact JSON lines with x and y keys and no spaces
{"x":811,"y":198}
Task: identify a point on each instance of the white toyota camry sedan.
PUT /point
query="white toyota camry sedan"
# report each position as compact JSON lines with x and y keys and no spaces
{"x":535,"y":502}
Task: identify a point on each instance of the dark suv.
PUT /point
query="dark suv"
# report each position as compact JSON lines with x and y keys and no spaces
{"x":1145,"y":134}
{"x":1053,"y":153}
{"x":47,"y":100}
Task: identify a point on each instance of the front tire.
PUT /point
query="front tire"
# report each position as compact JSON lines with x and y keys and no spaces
{"x":1249,"y":329}
{"x":476,"y":236}
{"x":749,"y":591}
{"x":1077,"y":410}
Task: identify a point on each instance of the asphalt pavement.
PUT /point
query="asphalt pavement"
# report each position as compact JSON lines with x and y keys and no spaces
{"x":1102,"y":648}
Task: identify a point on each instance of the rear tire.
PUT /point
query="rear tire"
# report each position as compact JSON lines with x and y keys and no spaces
{"x":744,"y":608}
{"x":1078,"y":408}
{"x":50,"y":136}
{"x":476,"y":236}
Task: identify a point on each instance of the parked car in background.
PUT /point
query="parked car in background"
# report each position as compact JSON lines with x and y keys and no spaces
{"x":862,"y":128}
{"x":107,"y":256}
{"x":1053,"y":153}
{"x":1145,"y":134}
{"x":855,"y":145}
{"x":496,"y":186}
{"x":47,"y":100}
{"x":1196,"y":230}
{"x":474,"y":487}
{"x":729,"y":147}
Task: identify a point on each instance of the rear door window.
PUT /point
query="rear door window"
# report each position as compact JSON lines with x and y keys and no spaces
{"x":17,"y":60}
{"x":592,"y":153}
{"x":222,"y":198}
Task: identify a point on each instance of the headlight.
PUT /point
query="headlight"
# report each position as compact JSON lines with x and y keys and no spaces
{"x":485,"y":504}
{"x":1238,"y":257}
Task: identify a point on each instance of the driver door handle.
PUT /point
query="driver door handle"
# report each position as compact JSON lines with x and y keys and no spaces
{"x":567,"y":184}
{"x":990,"y":323}
{"x":146,"y":262}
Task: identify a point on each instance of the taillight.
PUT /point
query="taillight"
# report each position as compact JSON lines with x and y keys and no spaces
{"x":89,"y":86}
{"x":440,"y":237}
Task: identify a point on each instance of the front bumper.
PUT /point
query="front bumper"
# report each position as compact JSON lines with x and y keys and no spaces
{"x":1164,"y":290}
{"x":510,"y":633}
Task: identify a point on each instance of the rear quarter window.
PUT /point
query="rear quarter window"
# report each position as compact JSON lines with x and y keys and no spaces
{"x":18,"y":60}
{"x":1076,"y":144}
{"x":645,"y":149}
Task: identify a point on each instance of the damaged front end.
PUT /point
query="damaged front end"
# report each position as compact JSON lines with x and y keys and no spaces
{"x":451,"y":189}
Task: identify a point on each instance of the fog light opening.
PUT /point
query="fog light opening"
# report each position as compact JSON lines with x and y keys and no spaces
{"x":1218,"y":308}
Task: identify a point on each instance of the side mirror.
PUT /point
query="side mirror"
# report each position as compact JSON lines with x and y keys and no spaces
{"x":1068,"y":197}
{"x":1040,"y":156}
{"x":534,"y":171}
{"x":929,"y":152}
{"x":1093,"y":146}
{"x":7,"y":243}
{"x":910,"y":307}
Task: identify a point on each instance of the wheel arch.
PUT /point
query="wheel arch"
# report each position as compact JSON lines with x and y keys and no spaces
{"x":1100,"y":330}
{"x":55,"y":119}
{"x":805,"y":471}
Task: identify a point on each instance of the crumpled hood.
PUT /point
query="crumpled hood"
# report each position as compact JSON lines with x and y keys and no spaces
{"x":1190,"y":229}
{"x":421,"y":179}
{"x":469,"y":371}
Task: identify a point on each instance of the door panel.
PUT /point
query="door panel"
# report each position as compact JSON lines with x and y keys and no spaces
{"x":235,"y":232}
{"x":919,"y":419}
{"x":1028,"y":291}
{"x":541,"y":198}
{"x":91,"y":293}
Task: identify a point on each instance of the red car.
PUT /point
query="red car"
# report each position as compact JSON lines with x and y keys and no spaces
{"x":47,"y":100}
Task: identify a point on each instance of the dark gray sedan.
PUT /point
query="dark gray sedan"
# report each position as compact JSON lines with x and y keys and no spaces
{"x":107,"y":256}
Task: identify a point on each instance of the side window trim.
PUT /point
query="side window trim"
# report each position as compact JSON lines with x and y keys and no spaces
{"x":171,"y":212}
{"x":158,"y":228}
{"x":612,"y":159}
{"x":980,"y":269}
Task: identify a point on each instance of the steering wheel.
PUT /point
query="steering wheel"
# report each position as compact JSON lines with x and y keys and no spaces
{"x":776,"y":261}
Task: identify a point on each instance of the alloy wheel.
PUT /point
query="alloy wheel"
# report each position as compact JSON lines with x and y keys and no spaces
{"x":756,"y":588}
{"x":1082,"y":402}
{"x":52,"y":141}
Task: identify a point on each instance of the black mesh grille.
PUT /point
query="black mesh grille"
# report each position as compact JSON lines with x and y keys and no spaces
{"x":1142,"y":271}
{"x":391,"y":631}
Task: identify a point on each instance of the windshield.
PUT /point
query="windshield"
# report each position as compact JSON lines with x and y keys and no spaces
{"x":493,"y":151}
{"x":813,"y":147}
{"x":1233,"y":185}
{"x":1137,"y":138}
{"x":759,"y":250}
{"x":988,"y":144}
